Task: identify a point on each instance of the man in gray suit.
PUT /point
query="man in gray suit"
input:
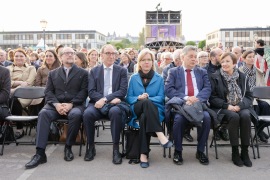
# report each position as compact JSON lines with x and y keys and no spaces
{"x":65,"y":94}
{"x":3,"y":59}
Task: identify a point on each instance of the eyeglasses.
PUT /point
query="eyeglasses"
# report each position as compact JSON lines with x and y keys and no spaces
{"x":69,"y":53}
{"x":167,"y":58}
{"x":146,"y":60}
{"x":203,"y":57}
{"x":109,"y":54}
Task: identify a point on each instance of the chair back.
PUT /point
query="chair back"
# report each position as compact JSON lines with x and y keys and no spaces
{"x":29,"y":92}
{"x":261,"y":92}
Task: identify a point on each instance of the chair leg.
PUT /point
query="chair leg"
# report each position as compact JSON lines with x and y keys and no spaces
{"x":215,"y":132}
{"x":123,"y":141}
{"x":4,"y":139}
{"x":103,"y":125}
{"x":268,"y":131}
{"x":258,"y":150}
{"x":252,"y":145}
{"x":80,"y":152}
{"x":206,"y":148}
{"x":98,"y":131}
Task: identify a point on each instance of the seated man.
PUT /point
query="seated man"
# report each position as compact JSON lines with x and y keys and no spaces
{"x":107,"y":84}
{"x":191,"y":84}
{"x":65,"y":94}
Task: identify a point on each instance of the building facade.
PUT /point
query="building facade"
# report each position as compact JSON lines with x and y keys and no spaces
{"x":237,"y":37}
{"x":114,"y":38}
{"x":69,"y":38}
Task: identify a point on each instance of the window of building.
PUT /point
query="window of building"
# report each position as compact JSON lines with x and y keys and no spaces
{"x":91,"y":36}
{"x":213,"y":36}
{"x":259,"y":33}
{"x":267,"y":34}
{"x":239,"y":34}
{"x":227,"y":34}
{"x":263,"y":34}
{"x":247,"y":34}
{"x":209,"y":37}
{"x":234,"y":34}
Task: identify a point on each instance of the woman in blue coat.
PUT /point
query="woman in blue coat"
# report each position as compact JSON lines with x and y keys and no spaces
{"x":146,"y":97}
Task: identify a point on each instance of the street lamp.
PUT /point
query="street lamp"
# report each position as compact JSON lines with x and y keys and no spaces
{"x":43,"y":24}
{"x":73,"y":42}
{"x":86,"y":38}
{"x":255,"y":37}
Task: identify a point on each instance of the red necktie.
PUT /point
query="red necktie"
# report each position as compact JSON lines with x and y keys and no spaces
{"x":189,"y":83}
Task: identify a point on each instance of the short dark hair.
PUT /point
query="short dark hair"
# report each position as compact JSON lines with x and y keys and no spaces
{"x":261,"y":42}
{"x":246,"y":53}
{"x":58,"y":47}
{"x":232,"y":55}
{"x":213,"y":54}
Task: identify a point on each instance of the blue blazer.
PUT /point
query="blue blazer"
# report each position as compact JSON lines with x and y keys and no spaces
{"x":7,"y":63}
{"x":96,"y":83}
{"x":155,"y":89}
{"x":175,"y":83}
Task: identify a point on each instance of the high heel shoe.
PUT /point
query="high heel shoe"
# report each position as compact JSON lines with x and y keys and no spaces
{"x":167,"y":145}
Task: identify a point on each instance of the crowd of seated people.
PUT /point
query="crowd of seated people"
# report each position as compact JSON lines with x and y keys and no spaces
{"x":222,"y":81}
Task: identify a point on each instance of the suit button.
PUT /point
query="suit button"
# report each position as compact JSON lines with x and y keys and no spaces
{"x":65,"y":91}
{"x":64,"y":82}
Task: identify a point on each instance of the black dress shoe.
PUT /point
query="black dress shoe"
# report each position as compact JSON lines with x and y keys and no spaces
{"x":265,"y":135}
{"x":202,"y":158}
{"x":19,"y":135}
{"x":224,"y":134}
{"x":68,"y":155}
{"x":188,"y":137}
{"x":261,"y":137}
{"x":90,"y":153}
{"x":117,"y":158}
{"x":217,"y":136}
{"x":177,"y":159}
{"x":36,"y":160}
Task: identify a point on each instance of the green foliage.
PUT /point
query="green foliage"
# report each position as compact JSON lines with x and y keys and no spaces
{"x":192,"y":43}
{"x":120,"y":45}
{"x":202,"y":44}
{"x":141,"y":40}
{"x":108,"y":42}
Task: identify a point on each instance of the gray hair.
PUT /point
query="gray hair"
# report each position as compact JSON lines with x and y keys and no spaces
{"x":159,"y":55}
{"x":176,"y":54}
{"x":202,"y":53}
{"x":168,"y":53}
{"x":188,"y":48}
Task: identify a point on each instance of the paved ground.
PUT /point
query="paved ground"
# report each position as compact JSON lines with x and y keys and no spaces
{"x":14,"y":158}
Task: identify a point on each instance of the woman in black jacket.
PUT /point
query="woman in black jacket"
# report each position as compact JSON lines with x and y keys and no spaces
{"x":127,"y":63}
{"x":232,"y":97}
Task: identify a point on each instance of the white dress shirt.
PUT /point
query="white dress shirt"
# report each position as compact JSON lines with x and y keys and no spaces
{"x":111,"y":73}
{"x":194,"y":82}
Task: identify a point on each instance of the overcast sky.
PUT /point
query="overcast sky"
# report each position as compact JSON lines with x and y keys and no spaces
{"x":123,"y":16}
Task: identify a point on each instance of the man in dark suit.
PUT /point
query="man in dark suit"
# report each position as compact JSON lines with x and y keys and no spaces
{"x":191,"y":84}
{"x":65,"y":94}
{"x":107,"y":84}
{"x":3,"y":59}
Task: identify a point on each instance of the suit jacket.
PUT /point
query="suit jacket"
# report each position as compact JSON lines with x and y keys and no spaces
{"x":130,"y":66}
{"x":96,"y":84}
{"x":175,"y":83}
{"x":7,"y":63}
{"x":61,"y":90}
{"x":155,"y":89}
{"x":5,"y":85}
{"x":166,"y":69}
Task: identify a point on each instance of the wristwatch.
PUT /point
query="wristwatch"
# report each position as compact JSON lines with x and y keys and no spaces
{"x":105,"y":99}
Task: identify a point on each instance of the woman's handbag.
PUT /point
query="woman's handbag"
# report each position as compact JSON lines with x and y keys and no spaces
{"x":64,"y":135}
{"x":132,"y":145}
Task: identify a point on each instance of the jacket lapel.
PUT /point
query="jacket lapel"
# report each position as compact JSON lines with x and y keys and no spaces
{"x":61,"y":73}
{"x":138,"y":79}
{"x":181,"y":74}
{"x":45,"y":71}
{"x":72,"y":72}
{"x":198,"y":78}
{"x":101,"y":78}
{"x":115,"y":75}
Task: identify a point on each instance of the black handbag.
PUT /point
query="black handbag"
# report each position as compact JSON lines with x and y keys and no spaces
{"x":54,"y":134}
{"x":6,"y":128}
{"x":132,"y":145}
{"x":4,"y":111}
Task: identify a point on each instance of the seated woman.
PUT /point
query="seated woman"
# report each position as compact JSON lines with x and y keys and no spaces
{"x":81,"y":61}
{"x":92,"y":57}
{"x":256,"y":78}
{"x":146,"y":96}
{"x":22,"y":75}
{"x":232,"y":97}
{"x":127,"y":63}
{"x":50,"y":62}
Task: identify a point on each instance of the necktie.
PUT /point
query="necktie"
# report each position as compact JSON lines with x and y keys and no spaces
{"x":67,"y":73}
{"x":107,"y":81}
{"x":189,"y":83}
